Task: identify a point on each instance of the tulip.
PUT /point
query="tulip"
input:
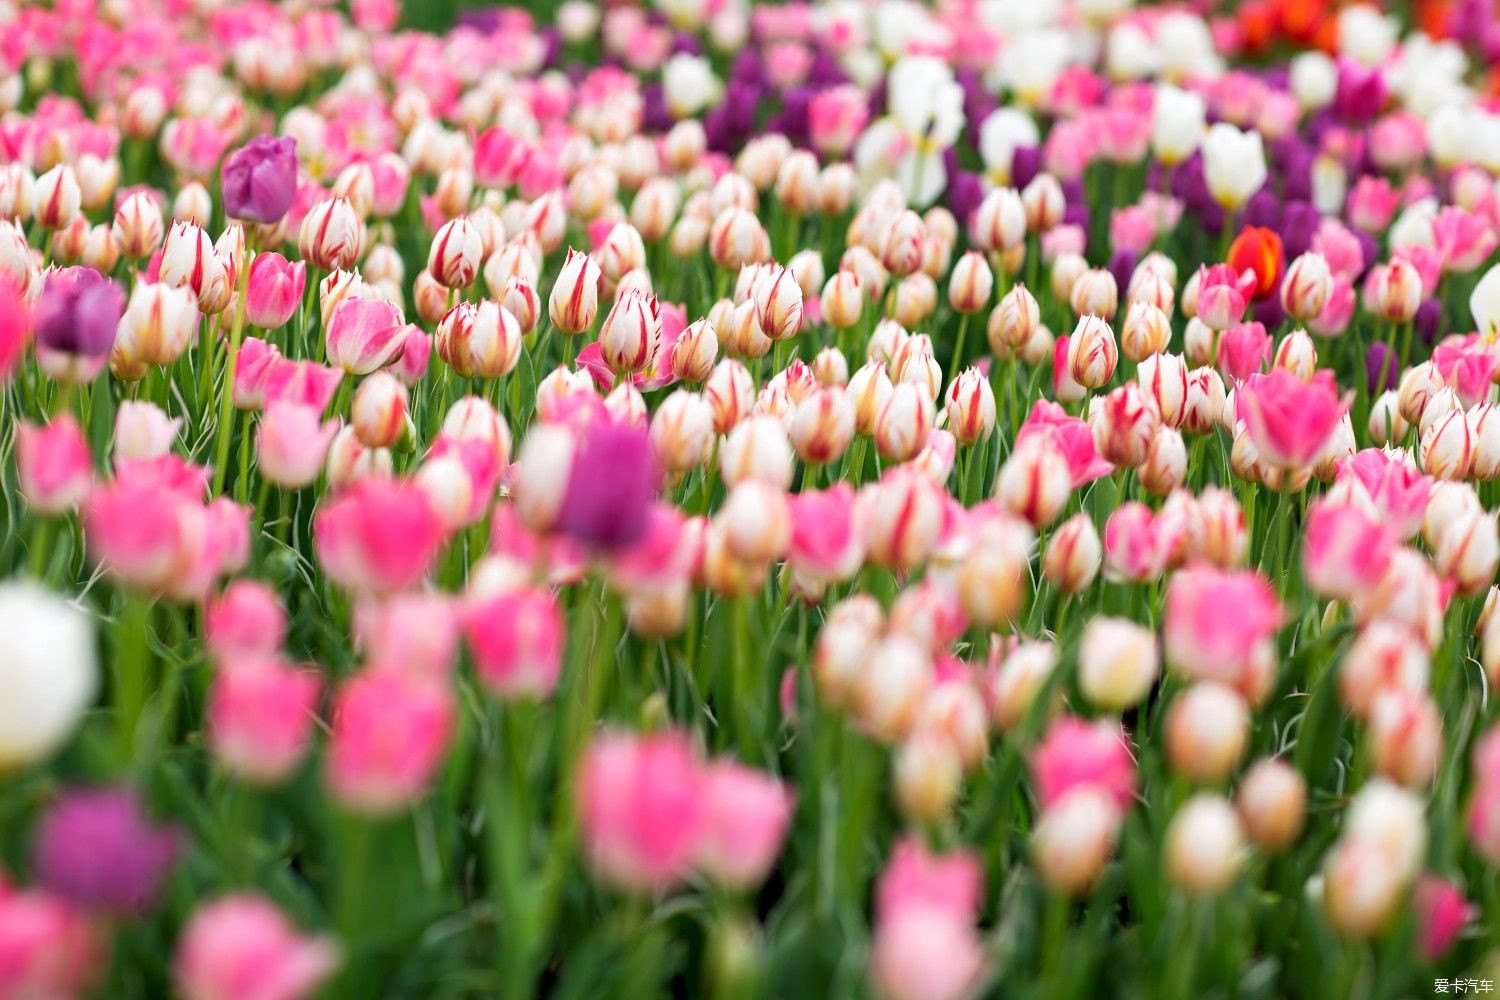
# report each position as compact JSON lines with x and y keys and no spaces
{"x":1117,"y":663}
{"x":1345,"y":549}
{"x":242,"y":946}
{"x":379,"y":414}
{"x":94,"y":848}
{"x":1204,"y":846}
{"x":480,"y":340}
{"x":1234,"y":165}
{"x":50,"y":669}
{"x":1272,"y":803}
{"x":389,"y":733}
{"x":54,"y":465}
{"x":245,"y":622}
{"x":1177,"y":124}
{"x":291,"y":444}
{"x":1290,"y":421}
{"x":75,"y":323}
{"x":1257,"y":250}
{"x":332,"y":235}
{"x":746,"y":816}
{"x":1000,"y":221}
{"x":378,"y":537}
{"x":627,"y":787}
{"x":364,"y":335}
{"x":904,"y":422}
{"x":138,"y":227}
{"x":1307,"y":287}
{"x":823,"y":424}
{"x":517,"y":642}
{"x":1092,"y":354}
{"x":1207,"y":728}
{"x":190,"y":260}
{"x":1199,"y":641}
{"x":260,"y":179}
{"x":1075,"y":838}
{"x":57,"y":198}
{"x":274,"y":290}
{"x":1034,"y":482}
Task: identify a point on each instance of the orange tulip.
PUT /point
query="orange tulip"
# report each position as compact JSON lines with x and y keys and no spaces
{"x":1259,"y":250}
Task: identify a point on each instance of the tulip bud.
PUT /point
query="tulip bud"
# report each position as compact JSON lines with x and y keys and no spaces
{"x":1000,"y":221}
{"x":1165,"y":468}
{"x":1406,"y":737}
{"x":574,"y":301}
{"x":1448,"y":446}
{"x":1044,"y":203}
{"x":1165,"y":379}
{"x":292,"y":443}
{"x":1035,"y":481}
{"x":887,"y":695}
{"x":1125,"y":424}
{"x":1383,"y":655}
{"x":54,"y":466}
{"x":969,"y":407}
{"x":1393,"y":291}
{"x":455,"y":254}
{"x":1418,"y":386}
{"x":1387,"y":426}
{"x":992,"y":578}
{"x":1204,"y":846}
{"x":332,"y":235}
{"x":1075,"y":838}
{"x":842,"y":300}
{"x":1468,"y":551}
{"x":822,"y":425}
{"x":682,"y":431}
{"x":1146,"y":331}
{"x":1362,"y":891}
{"x":903,"y":422}
{"x":928,"y":776}
{"x":379,"y":413}
{"x":1074,"y":553}
{"x":631,"y":334}
{"x":757,"y":448}
{"x":57,"y":198}
{"x":138,"y":226}
{"x":756,"y":521}
{"x":730,"y":390}
{"x":971,"y":283}
{"x":479,"y":340}
{"x":1297,"y":354}
{"x":736,"y":238}
{"x":1092,"y":354}
{"x":901,"y":246}
{"x":188,"y":259}
{"x":1118,"y":661}
{"x":778,"y":304}
{"x":1206,"y":401}
{"x":1207,"y":728}
{"x":1094,"y":293}
{"x":1306,"y":287}
{"x":1272,"y":802}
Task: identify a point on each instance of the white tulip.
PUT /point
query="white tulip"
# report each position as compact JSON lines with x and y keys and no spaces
{"x":688,"y":84}
{"x":1234,"y":164}
{"x":1365,"y":34}
{"x":1001,"y":134}
{"x":1186,"y":47}
{"x":48,"y":671}
{"x":1177,"y":123}
{"x":1315,"y":80}
{"x":1484,"y":304}
{"x":1131,"y":54}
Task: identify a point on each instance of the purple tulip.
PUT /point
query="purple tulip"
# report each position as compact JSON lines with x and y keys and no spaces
{"x":1025,"y":164}
{"x":1429,"y":320}
{"x":1299,"y":223}
{"x":965,"y":192}
{"x":79,"y":312}
{"x":95,"y":848}
{"x":260,"y":179}
{"x":1122,"y":266}
{"x":1361,"y":91}
{"x":1380,"y":359}
{"x":612,"y":481}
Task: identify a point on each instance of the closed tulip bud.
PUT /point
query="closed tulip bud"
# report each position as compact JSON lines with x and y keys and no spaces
{"x":904,"y":421}
{"x":1272,"y":803}
{"x":430,"y":298}
{"x":992,"y":579}
{"x":1094,"y":293}
{"x":836,"y":186}
{"x":332,"y":235}
{"x":57,"y":197}
{"x":1118,"y":661}
{"x":67,"y":242}
{"x":756,"y":522}
{"x":138,"y":227}
{"x":631,"y":334}
{"x":1206,"y":401}
{"x":928,"y":776}
{"x":1297,"y":354}
{"x":971,"y":284}
{"x":887,"y":695}
{"x":1484,"y":430}
{"x":1448,"y":446}
{"x":1204,"y":846}
{"x":1000,"y":221}
{"x":54,"y":466}
{"x":1207,"y":728}
{"x":1165,"y":379}
{"x":1092,"y":354}
{"x":574,"y":302}
{"x":1224,"y":539}
{"x":1419,"y":384}
{"x":1035,"y":482}
{"x":517,"y":259}
{"x":1200,"y":344}
{"x":480,"y":340}
{"x":1044,"y":203}
{"x":730,"y":390}
{"x":1393,"y":291}
{"x":915,"y":300}
{"x":1307,"y":286}
{"x":757,"y":448}
{"x":455,"y":254}
{"x":736,"y":238}
{"x":901,"y":247}
{"x":1384,"y":655}
{"x":192,"y":204}
{"x":158,"y":325}
{"x":99,"y":249}
{"x":682,"y":431}
{"x":363,"y":335}
{"x":1075,"y":838}
{"x":695,"y":352}
{"x":822,"y":425}
{"x":17,"y":191}
{"x":292,"y":443}
{"x":744,"y":336}
{"x":830,"y":368}
{"x":778,"y":303}
{"x":969,"y":407}
{"x":869,"y":388}
{"x":1406,"y":737}
{"x":807,"y":267}
{"x":688,"y":237}
{"x":1468,"y":552}
{"x":1013,"y":322}
{"x":797,"y":183}
{"x":873,"y":276}
{"x":1388,"y":426}
{"x":654,"y":208}
{"x":1074,"y":554}
{"x":142,"y":432}
{"x":379,"y":414}
{"x":902,"y":515}
{"x":1152,"y":286}
{"x":1146,"y":331}
{"x":1447,"y":504}
{"x":843,"y":300}
{"x":1165,"y":468}
{"x":622,"y":251}
{"x":188,"y":259}
{"x":1125,"y":424}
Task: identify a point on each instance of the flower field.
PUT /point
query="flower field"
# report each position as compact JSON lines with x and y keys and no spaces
{"x":851,"y":499}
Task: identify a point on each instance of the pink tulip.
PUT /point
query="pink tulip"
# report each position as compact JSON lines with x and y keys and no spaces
{"x":364,"y":335}
{"x":416,"y":632}
{"x":641,"y":809}
{"x":1337,"y":311}
{"x":260,"y":717}
{"x":745,"y":819}
{"x":1204,"y":642}
{"x":1464,"y":239}
{"x":246,"y":621}
{"x":1468,"y":370}
{"x":15,"y":326}
{"x":143,"y":430}
{"x":1138,"y":544}
{"x":1483,"y":823}
{"x":48,"y":948}
{"x":390,"y":732}
{"x":54,"y":466}
{"x":252,"y":371}
{"x":1372,"y":202}
{"x":1345,"y":549}
{"x":915,"y":877}
{"x":1223,"y":295}
{"x":664,"y":557}
{"x":460,"y":477}
{"x":827,"y":543}
{"x":1289,"y":421}
{"x":378,"y":537}
{"x":274,"y":290}
{"x":517,"y":642}
{"x":921,"y":954}
{"x":1244,"y":350}
{"x":241,"y":947}
{"x":291,"y":444}
{"x":142,"y":534}
{"x":1442,"y":912}
{"x":1076,"y":753}
{"x":1073,"y":437}
{"x":305,"y":383}
{"x":1393,"y":483}
{"x":416,"y":350}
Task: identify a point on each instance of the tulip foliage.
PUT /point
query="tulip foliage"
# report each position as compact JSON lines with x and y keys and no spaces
{"x":749,"y":500}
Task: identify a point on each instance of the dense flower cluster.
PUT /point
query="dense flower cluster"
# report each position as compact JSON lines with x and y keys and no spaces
{"x":753,"y":499}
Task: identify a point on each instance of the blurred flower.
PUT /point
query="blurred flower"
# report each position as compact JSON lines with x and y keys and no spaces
{"x":95,"y":848}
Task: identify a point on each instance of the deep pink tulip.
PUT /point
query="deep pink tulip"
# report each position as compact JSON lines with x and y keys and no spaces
{"x":390,"y":732}
{"x":54,"y":466}
{"x":1289,"y":421}
{"x":245,"y":621}
{"x":1072,"y":436}
{"x":260,"y":716}
{"x":641,"y":809}
{"x":416,"y":631}
{"x":1393,"y":483}
{"x":517,"y":642}
{"x":1345,"y":549}
{"x":1139,"y":545}
{"x":364,"y":335}
{"x":15,"y":326}
{"x":252,"y":372}
{"x":1442,"y":912}
{"x":1076,"y":753}
{"x":745,"y":819}
{"x":827,"y":537}
{"x":305,"y":383}
{"x":378,"y":537}
{"x":274,"y":290}
{"x":1223,"y":295}
{"x":914,"y":876}
{"x":1204,"y":642}
{"x":48,"y":947}
{"x":242,"y":946}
